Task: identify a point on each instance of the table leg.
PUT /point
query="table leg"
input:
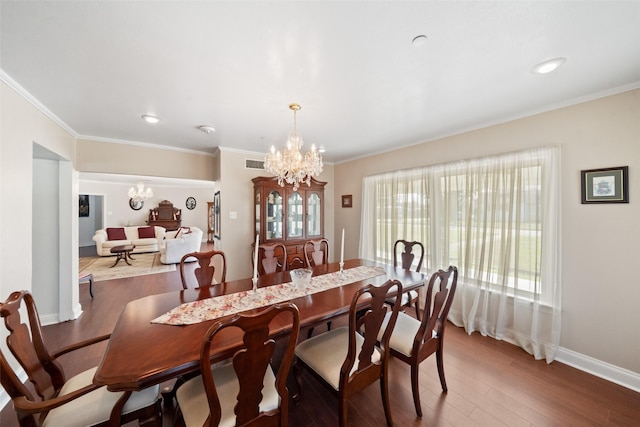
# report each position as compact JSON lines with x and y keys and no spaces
{"x":118,"y":258}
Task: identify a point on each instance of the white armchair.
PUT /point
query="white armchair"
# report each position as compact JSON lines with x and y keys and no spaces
{"x":179,"y":243}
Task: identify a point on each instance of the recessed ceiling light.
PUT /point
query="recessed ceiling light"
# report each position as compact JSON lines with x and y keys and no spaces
{"x":419,"y":40}
{"x":548,"y":66}
{"x":151,"y":119}
{"x":207,"y":129}
{"x":321,"y":149}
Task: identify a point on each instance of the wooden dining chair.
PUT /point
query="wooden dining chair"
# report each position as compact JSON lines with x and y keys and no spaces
{"x":347,"y":359}
{"x":405,"y":260}
{"x":272,"y":258}
{"x":48,"y":398}
{"x":211,"y":269}
{"x":244,"y":390}
{"x":316,"y":252}
{"x":413,"y":341}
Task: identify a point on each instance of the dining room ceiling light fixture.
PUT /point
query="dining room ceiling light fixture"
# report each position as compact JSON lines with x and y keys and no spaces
{"x":150,"y":119}
{"x":139,"y":193}
{"x":419,"y":40}
{"x":290,"y":165}
{"x":207,"y":129}
{"x":549,"y":65}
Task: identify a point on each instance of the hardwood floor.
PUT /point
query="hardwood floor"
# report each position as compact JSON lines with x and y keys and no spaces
{"x":491,"y":383}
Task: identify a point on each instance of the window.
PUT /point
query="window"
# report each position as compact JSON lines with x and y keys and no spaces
{"x":495,"y":218}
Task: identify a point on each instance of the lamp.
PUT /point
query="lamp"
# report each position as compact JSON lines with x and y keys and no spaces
{"x":290,"y":165}
{"x":139,"y":194}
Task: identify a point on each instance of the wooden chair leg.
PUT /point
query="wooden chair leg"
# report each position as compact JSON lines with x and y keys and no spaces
{"x":417,"y":310}
{"x":342,"y":411}
{"x":384,"y":390}
{"x":297,"y":374}
{"x":415,"y":389}
{"x":87,"y":278}
{"x":91,"y":285}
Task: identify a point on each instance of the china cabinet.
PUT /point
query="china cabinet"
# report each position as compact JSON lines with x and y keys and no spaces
{"x":282,"y":215}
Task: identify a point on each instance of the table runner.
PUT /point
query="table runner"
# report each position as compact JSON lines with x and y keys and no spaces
{"x":224,"y":305}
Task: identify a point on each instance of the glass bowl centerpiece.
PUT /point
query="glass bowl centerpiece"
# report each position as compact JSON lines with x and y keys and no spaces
{"x":301,"y":276}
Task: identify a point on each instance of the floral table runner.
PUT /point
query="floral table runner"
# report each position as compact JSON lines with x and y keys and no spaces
{"x":224,"y":305}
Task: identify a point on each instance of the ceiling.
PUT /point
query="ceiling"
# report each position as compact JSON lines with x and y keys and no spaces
{"x":97,"y":66}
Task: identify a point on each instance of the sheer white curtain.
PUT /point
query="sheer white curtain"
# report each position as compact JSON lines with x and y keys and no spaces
{"x":498,"y":220}
{"x":396,"y":207}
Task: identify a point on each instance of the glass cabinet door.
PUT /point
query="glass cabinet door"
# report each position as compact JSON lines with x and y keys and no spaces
{"x":294,"y":215}
{"x":313,"y":215}
{"x":274,"y":215}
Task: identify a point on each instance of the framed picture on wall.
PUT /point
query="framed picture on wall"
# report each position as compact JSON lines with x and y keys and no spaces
{"x":83,"y":208}
{"x":608,"y":185}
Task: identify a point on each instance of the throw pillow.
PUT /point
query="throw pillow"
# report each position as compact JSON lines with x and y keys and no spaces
{"x":146,"y":232}
{"x":116,"y":234}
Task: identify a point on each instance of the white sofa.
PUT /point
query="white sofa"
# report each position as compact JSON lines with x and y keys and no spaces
{"x":179,"y":243}
{"x":131,"y":236}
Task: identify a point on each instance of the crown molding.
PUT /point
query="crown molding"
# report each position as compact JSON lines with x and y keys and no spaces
{"x":33,"y":101}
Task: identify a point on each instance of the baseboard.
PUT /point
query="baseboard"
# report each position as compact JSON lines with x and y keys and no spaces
{"x":615,"y":374}
{"x":49,"y":319}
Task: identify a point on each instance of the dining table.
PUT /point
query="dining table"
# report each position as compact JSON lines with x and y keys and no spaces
{"x":143,"y":352}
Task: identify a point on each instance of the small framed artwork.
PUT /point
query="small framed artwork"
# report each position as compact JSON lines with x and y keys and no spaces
{"x":83,"y":207}
{"x":608,"y":185}
{"x":136,"y":205}
{"x":190,"y":203}
{"x":347,"y":201}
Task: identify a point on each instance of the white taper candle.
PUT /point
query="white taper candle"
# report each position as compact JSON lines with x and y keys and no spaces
{"x":255,"y":257}
{"x":342,"y":248}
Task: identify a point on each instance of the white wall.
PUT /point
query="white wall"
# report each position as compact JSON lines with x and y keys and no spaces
{"x":22,"y":125}
{"x":46,"y":236}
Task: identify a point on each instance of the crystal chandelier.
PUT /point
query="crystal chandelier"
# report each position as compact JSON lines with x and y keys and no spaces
{"x":139,"y":194}
{"x":290,"y":165}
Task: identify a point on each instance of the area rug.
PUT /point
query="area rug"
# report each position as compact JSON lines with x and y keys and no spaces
{"x":141,"y":264}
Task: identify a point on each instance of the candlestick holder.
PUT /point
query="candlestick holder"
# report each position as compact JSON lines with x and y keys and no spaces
{"x":253,"y":297}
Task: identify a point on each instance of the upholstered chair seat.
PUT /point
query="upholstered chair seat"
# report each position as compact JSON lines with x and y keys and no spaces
{"x":325,"y":363}
{"x":95,"y":407}
{"x":193,"y":399}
